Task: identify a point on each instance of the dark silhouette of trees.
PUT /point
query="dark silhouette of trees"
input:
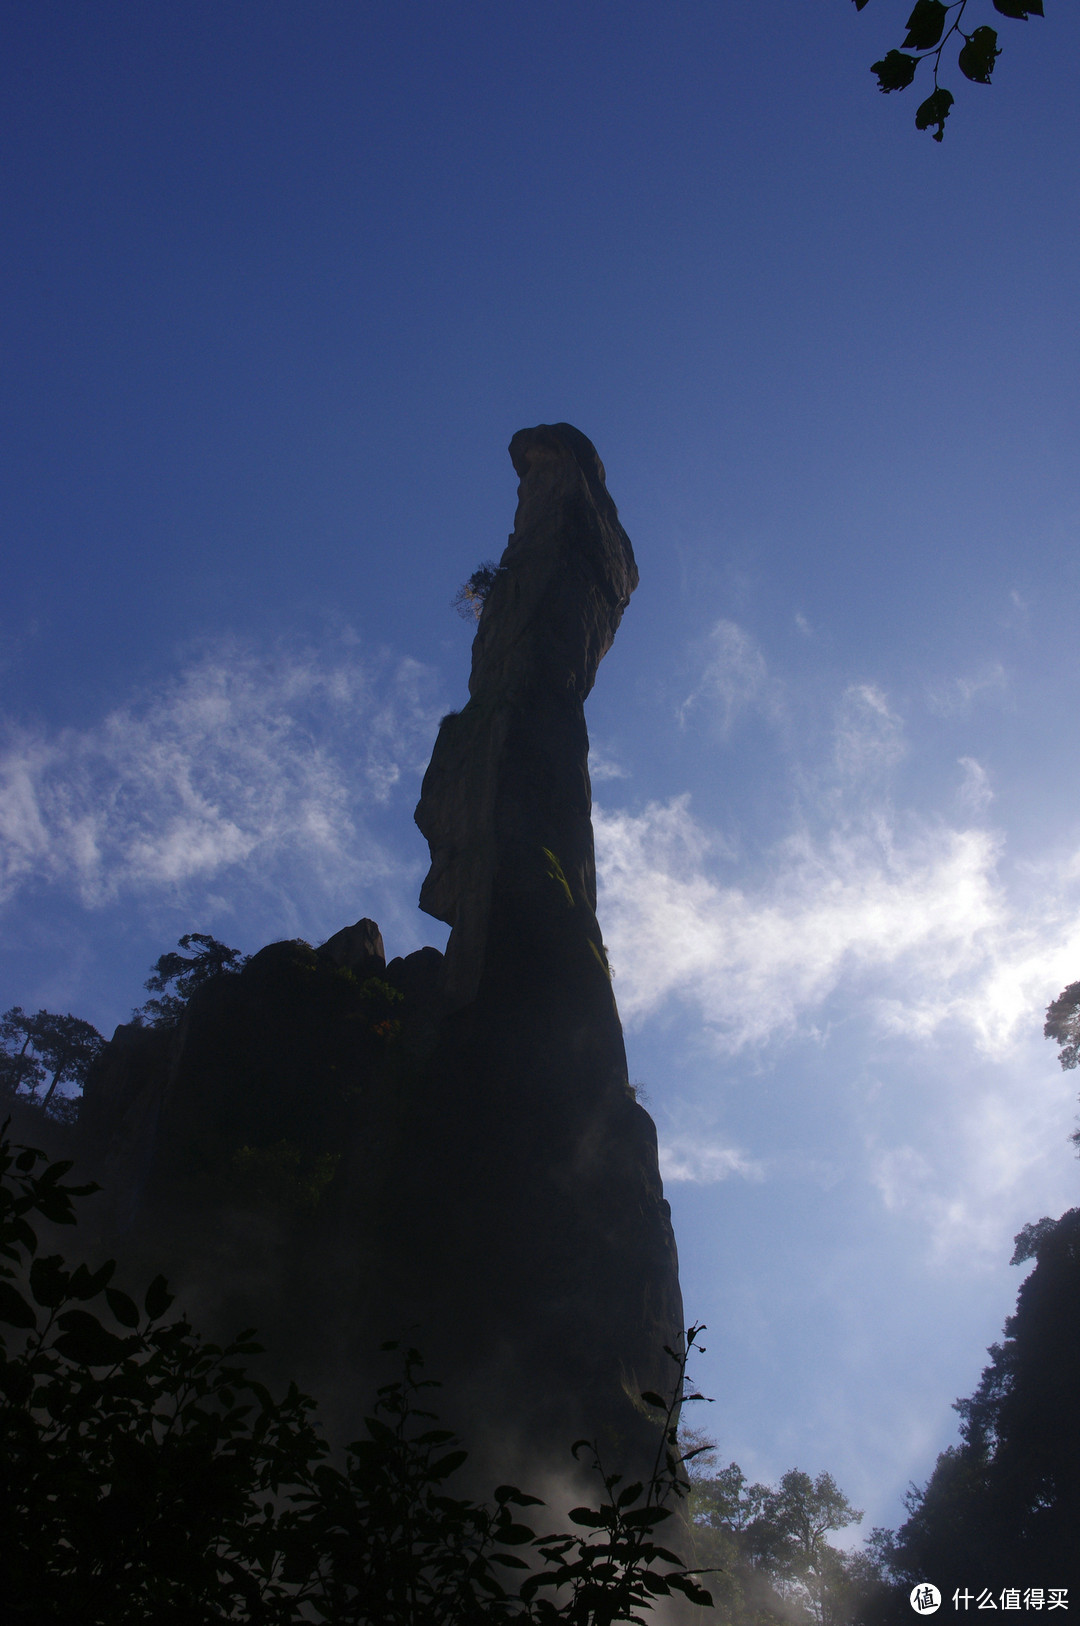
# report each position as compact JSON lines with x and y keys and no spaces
{"x":1063,"y":1024}
{"x":769,"y":1544}
{"x":145,"y":1476}
{"x":1004,"y":1504}
{"x":470,"y":598}
{"x":932,"y":24}
{"x":34,"y":1047}
{"x":175,"y":978}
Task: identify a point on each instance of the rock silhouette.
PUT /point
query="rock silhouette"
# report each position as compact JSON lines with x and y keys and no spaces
{"x":444,"y":1150}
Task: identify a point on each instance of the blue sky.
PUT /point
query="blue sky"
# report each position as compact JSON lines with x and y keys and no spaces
{"x":281,"y":282}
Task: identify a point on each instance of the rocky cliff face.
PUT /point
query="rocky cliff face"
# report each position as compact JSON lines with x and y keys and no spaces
{"x":506,"y":802}
{"x":445,"y":1150}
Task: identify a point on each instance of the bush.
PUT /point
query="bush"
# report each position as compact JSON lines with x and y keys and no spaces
{"x":147,"y":1476}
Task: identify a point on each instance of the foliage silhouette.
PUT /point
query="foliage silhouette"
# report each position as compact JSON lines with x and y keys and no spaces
{"x":1004,"y":1504}
{"x":470,"y":598}
{"x":147,"y":1476}
{"x":769,"y":1542}
{"x":929,"y":29}
{"x":1063,"y":1024}
{"x":32,"y":1047}
{"x":183,"y":973}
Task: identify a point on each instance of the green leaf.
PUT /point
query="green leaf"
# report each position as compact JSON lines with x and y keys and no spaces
{"x":49,"y":1281}
{"x":14,"y":1308}
{"x":1020,"y":9}
{"x":158,"y":1298}
{"x":935,"y":110}
{"x":895,"y":71}
{"x":925,"y":25}
{"x":85,"y":1341}
{"x":124,"y":1309}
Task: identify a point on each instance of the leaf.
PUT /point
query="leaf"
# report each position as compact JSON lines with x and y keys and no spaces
{"x":691,"y":1590}
{"x":87,"y":1285}
{"x":515,"y":1535}
{"x":158,"y":1298}
{"x":510,"y":1493}
{"x":381,"y":1433}
{"x":53,"y":1173}
{"x":124,"y":1309}
{"x":49,"y":1281}
{"x":587,"y":1516}
{"x":16,"y":1382}
{"x":14,"y":1308}
{"x":55,"y":1206}
{"x":925,"y":25}
{"x":447,"y":1465}
{"x":1020,"y":9}
{"x":651,"y":1398}
{"x":976,"y":60}
{"x":859,"y":4}
{"x":643,"y":1518}
{"x":895,"y":71}
{"x":26,"y":1160}
{"x":935,"y":110}
{"x":85,"y":1341}
{"x":630,"y":1494}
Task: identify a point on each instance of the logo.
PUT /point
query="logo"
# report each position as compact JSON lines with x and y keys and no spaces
{"x":925,"y":1598}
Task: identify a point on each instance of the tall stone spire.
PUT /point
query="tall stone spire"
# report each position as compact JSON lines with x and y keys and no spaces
{"x":506,"y":802}
{"x":564,"y":1208}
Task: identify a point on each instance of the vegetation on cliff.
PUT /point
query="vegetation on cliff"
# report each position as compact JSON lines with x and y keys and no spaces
{"x":146,"y":1476}
{"x":1004,"y":1504}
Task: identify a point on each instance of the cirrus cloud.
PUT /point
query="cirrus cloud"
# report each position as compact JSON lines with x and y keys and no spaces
{"x":244,"y":760}
{"x":912,"y":918}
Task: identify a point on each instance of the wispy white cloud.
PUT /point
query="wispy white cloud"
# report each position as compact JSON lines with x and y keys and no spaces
{"x":733,"y":677}
{"x":913,"y":921}
{"x":953,"y":696}
{"x":690,"y":1159}
{"x":243,"y":760}
{"x":975,"y":792}
{"x":757,"y":957}
{"x":908,"y":916}
{"x":602,"y":766}
{"x":869,"y":737}
{"x":982,"y":1157}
